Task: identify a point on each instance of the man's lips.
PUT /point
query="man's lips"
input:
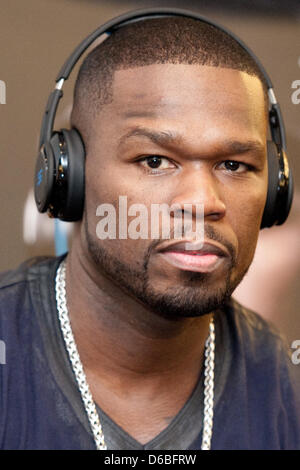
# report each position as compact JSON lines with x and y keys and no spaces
{"x":193,"y":248}
{"x":205,"y":259}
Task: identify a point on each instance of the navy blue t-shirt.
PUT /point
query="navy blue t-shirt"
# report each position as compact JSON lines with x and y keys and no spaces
{"x":257,"y":387}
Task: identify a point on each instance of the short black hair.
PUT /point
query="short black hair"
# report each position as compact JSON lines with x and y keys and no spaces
{"x":175,"y":40}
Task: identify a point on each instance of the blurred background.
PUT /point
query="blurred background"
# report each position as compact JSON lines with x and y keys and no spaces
{"x":36,"y":37}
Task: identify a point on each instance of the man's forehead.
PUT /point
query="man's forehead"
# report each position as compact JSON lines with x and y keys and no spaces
{"x":186,"y":92}
{"x":177,"y":84}
{"x":191,"y":100}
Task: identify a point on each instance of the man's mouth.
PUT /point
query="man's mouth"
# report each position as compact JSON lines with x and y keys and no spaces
{"x":206,"y":259}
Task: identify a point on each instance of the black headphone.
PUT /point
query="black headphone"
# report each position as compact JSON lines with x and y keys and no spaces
{"x":59,"y":174}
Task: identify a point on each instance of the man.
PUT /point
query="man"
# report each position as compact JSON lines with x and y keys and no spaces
{"x":171,"y":111}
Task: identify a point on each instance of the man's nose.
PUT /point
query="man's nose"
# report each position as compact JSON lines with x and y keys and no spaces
{"x":200,"y":186}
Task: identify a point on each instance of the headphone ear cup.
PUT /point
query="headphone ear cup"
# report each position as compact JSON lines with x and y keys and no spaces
{"x":280,"y":187}
{"x":59,"y":176}
{"x":290,"y":195}
{"x":269,"y":214}
{"x":74,"y":151}
{"x":44,"y":177}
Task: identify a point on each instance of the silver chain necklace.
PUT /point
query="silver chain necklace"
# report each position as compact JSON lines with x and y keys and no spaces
{"x":90,"y":407}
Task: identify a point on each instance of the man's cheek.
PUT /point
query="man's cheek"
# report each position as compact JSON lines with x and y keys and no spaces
{"x":247,"y":209}
{"x":245,"y":220}
{"x":129,"y":252}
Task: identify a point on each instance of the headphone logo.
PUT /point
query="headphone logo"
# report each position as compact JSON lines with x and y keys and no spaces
{"x":39,"y":177}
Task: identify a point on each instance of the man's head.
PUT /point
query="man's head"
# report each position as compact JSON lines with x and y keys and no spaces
{"x":165,"y":107}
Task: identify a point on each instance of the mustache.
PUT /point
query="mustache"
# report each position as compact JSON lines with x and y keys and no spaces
{"x":210,"y":234}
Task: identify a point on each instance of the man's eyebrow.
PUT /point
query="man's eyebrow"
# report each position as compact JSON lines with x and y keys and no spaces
{"x":235,"y":147}
{"x":168,"y":137}
{"x":157,"y":137}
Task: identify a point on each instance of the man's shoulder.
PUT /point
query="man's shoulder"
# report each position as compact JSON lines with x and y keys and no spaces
{"x":26,"y":299}
{"x":259,"y":341}
{"x":252,"y":327}
{"x":26,"y":272}
{"x":251,"y":321}
{"x":22,"y":288}
{"x":263,"y":383}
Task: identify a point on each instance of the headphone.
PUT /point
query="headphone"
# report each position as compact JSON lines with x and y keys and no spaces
{"x":59,"y":174}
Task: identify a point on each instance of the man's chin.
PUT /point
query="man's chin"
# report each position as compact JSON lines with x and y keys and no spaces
{"x":184,"y":302}
{"x":192,"y":294}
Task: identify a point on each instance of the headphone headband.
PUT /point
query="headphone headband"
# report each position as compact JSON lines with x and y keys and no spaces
{"x":140,"y":15}
{"x":275,"y":118}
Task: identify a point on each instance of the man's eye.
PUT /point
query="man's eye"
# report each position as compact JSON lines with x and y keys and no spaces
{"x":235,"y":167}
{"x":155,"y":162}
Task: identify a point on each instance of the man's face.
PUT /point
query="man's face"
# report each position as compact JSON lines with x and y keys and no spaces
{"x":198,"y":120}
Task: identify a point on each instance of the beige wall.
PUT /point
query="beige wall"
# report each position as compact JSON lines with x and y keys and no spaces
{"x":35,"y":38}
